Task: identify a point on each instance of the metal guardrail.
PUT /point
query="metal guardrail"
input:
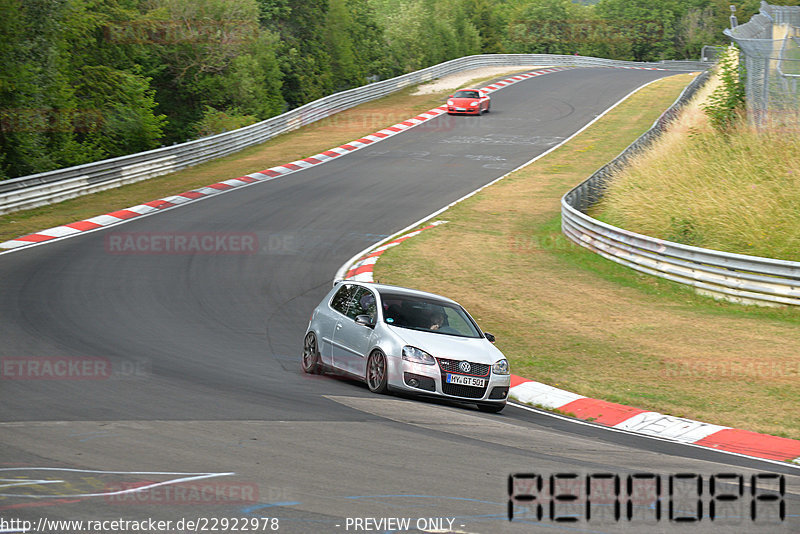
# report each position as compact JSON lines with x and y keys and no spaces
{"x":736,"y":277}
{"x":55,"y":186}
{"x":711,"y":53}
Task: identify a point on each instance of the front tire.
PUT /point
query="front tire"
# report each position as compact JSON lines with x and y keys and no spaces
{"x":377,"y":372}
{"x":311,"y":361}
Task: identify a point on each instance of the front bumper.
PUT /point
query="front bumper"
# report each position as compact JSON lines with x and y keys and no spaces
{"x":465,"y":111}
{"x":431,"y":380}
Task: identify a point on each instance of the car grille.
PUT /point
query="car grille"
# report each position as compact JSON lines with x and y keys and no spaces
{"x":457,"y":390}
{"x":476,"y":369}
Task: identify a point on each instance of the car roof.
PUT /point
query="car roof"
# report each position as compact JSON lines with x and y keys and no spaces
{"x":401,"y":290}
{"x":469,"y":89}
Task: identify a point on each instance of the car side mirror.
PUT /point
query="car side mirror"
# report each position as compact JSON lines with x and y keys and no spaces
{"x":451,"y":96}
{"x":489,"y":336}
{"x":365,"y":320}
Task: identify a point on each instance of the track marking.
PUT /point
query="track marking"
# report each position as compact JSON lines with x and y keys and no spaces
{"x":183,"y":477}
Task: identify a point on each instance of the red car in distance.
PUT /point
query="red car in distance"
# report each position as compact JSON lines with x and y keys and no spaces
{"x":472,"y":101}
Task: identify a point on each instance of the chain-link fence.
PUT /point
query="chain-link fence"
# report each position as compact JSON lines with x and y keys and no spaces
{"x":770,"y":44}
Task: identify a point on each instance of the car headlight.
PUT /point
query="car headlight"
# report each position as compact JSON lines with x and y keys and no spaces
{"x":500,"y":367}
{"x":450,"y":103}
{"x":474,"y":103}
{"x":413,"y":354}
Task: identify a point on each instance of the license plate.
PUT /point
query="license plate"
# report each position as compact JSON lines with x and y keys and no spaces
{"x":466,"y":380}
{"x":461,"y":109}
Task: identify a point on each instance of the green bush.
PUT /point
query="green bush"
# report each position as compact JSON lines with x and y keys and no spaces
{"x":726,"y":105}
{"x":215,"y":121}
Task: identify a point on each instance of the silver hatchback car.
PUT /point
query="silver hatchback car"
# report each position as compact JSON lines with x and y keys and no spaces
{"x":406,"y":340}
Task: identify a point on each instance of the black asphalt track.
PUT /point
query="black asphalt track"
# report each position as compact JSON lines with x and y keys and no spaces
{"x":197,"y":355}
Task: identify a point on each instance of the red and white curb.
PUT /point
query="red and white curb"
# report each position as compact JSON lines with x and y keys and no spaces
{"x":124,"y":215}
{"x":613,"y":415}
{"x":361,"y":269}
{"x":655,"y":424}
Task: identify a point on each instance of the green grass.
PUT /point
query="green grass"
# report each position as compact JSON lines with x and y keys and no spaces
{"x":583,"y":259}
{"x":569,"y":318}
{"x":736,"y":192}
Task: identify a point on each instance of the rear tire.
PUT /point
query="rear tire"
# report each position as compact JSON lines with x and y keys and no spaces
{"x":311,"y":362}
{"x":492,"y":408}
{"x":377,"y":372}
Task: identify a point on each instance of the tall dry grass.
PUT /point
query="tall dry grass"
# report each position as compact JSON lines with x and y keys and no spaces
{"x":735,"y":192}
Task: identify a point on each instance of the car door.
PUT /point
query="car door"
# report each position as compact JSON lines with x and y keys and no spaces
{"x":351,"y":340}
{"x":330,"y":317}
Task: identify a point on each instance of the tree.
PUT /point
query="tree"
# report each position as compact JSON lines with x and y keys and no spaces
{"x":369,"y":46}
{"x":453,"y":27}
{"x":647,"y":28}
{"x":486,"y":20}
{"x":108,"y":80}
{"x":303,"y":58}
{"x":38,"y":104}
{"x":124,"y":105}
{"x":542,"y":27}
{"x":696,"y":29}
{"x":419,"y":33}
{"x":405,"y":24}
{"x":346,"y":71}
{"x":210,"y":53}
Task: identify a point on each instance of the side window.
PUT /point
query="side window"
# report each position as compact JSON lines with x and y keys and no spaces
{"x":342,"y":298}
{"x":363,"y":304}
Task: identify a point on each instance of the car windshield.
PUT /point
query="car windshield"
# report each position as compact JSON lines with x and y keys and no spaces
{"x":466,"y":94}
{"x":427,"y":315}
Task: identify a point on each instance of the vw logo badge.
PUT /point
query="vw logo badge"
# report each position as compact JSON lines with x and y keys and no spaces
{"x":465,"y":367}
